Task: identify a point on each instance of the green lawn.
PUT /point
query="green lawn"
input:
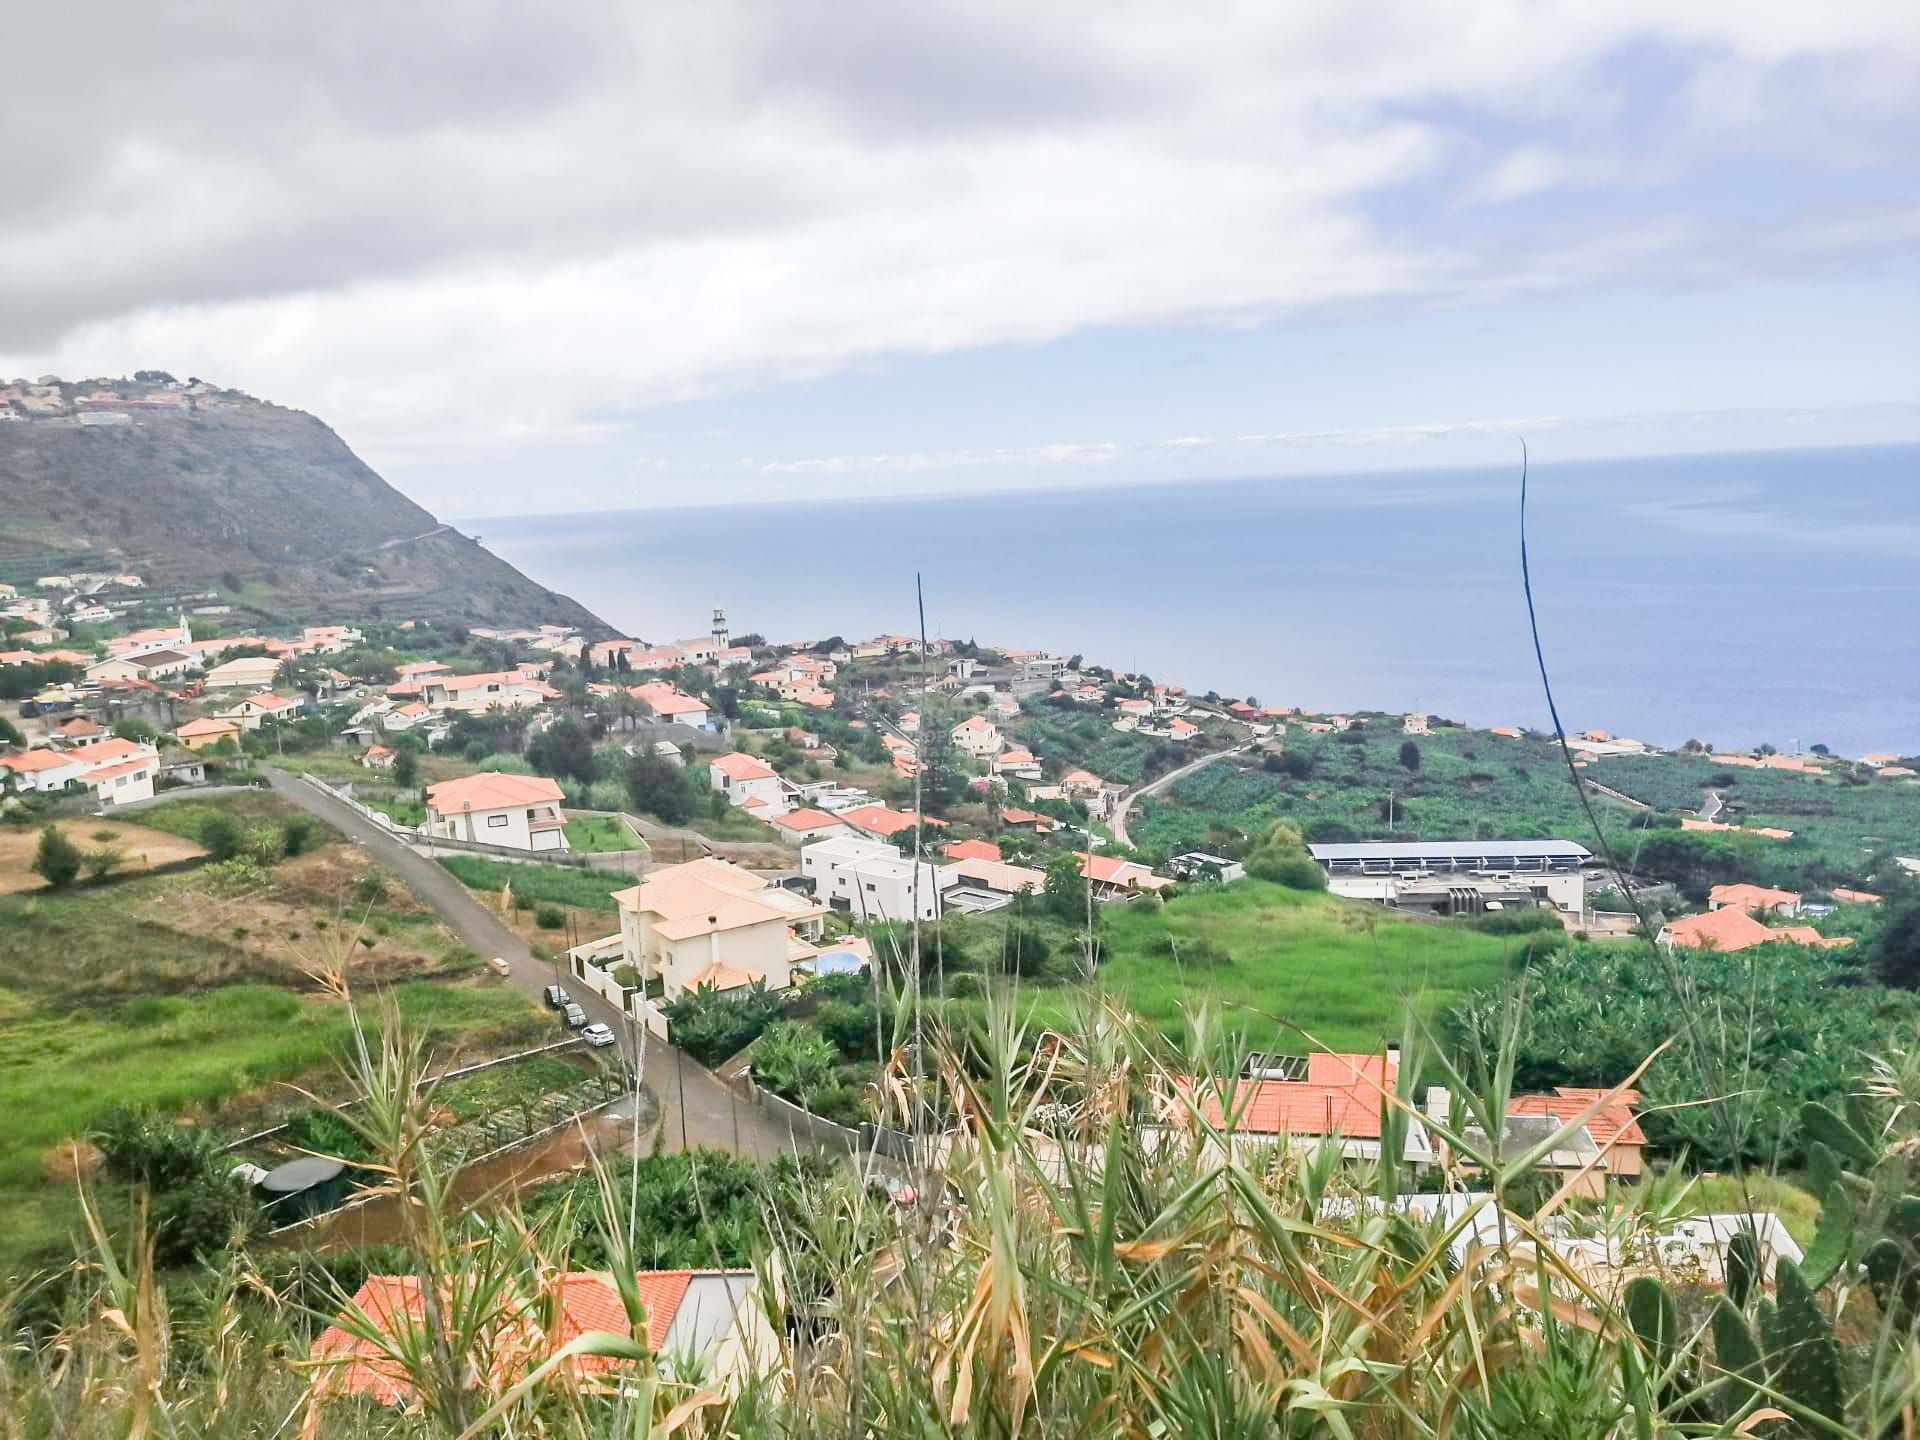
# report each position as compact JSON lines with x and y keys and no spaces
{"x":600,"y":833}
{"x":1342,"y":971}
{"x":187,"y":815}
{"x":554,"y":884}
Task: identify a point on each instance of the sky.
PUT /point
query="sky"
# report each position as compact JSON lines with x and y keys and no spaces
{"x":704,"y":252}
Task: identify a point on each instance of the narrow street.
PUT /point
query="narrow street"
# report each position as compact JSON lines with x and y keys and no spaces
{"x":695,"y":1108}
{"x":1117,"y":822}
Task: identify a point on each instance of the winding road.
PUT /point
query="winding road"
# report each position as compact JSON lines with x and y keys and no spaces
{"x":695,"y":1108}
{"x":1117,"y":822}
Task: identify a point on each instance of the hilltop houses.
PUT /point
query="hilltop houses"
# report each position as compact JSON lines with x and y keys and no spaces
{"x":520,"y":812}
{"x":255,"y":709}
{"x":661,"y":701}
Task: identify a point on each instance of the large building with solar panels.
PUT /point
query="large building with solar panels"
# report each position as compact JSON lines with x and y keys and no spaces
{"x":1458,"y":877}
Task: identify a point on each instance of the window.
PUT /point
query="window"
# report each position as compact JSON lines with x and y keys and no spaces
{"x":494,"y":822}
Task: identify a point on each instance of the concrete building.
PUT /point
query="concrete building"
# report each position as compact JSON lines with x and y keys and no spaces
{"x":870,"y":880}
{"x":1458,"y":876}
{"x":154,"y":665}
{"x":199,"y":734}
{"x":521,"y":812}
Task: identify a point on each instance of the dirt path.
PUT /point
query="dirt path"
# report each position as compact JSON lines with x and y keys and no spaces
{"x":139,"y":847}
{"x":696,"y":1109}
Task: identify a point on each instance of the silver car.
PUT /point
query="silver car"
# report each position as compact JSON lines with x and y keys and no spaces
{"x":597,"y":1034}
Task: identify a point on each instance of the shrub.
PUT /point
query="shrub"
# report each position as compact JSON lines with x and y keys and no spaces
{"x":220,"y":836}
{"x":57,"y":860}
{"x":1295,"y":871}
{"x":854,"y":1029}
{"x":104,"y":861}
{"x":549,"y":917}
{"x":711,"y":1027}
{"x":325,"y":1133}
{"x":296,"y":835}
{"x":794,"y":1060}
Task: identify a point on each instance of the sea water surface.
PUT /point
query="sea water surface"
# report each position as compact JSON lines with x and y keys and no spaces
{"x":1739,"y":599}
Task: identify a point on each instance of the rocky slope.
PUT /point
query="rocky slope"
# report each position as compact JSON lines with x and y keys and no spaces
{"x":264,"y":504}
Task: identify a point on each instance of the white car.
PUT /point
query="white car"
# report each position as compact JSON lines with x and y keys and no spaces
{"x":597,"y":1035}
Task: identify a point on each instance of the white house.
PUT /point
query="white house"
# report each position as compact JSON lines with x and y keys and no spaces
{"x":663,"y":702}
{"x":509,"y":689}
{"x":709,"y":923}
{"x":1021,"y":764}
{"x":750,"y":784}
{"x":403,"y":718}
{"x":42,"y":770}
{"x":120,"y":781}
{"x":870,"y":880}
{"x":249,"y":713}
{"x":976,"y":736}
{"x":521,"y":812}
{"x":249,"y":672}
{"x":805,"y":825}
{"x":152,"y":665}
{"x":1414,"y":724}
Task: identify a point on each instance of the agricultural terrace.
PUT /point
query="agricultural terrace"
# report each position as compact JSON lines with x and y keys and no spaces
{"x":191,"y":992}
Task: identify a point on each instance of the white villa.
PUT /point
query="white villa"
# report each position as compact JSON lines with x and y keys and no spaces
{"x":521,"y":812}
{"x":977,"y":736}
{"x":750,"y":784}
{"x":709,"y":923}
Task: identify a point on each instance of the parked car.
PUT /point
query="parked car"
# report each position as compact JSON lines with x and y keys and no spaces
{"x":597,"y":1034}
{"x":574,"y":1016}
{"x":499,"y":965}
{"x":556,"y":998}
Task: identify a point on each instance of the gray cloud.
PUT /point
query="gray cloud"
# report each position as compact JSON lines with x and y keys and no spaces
{"x":447,"y":225}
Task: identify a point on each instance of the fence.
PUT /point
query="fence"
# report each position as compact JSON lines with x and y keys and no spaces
{"x":631,"y":1000}
{"x":572,"y":1042}
{"x":628,"y":862}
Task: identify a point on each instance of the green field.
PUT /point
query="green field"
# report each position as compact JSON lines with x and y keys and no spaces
{"x":552,"y":884}
{"x":1300,"y":961}
{"x":1472,"y":785}
{"x":187,"y":816}
{"x":600,"y":833}
{"x":63,"y":1069}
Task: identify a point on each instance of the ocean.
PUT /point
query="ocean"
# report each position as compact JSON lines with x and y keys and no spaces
{"x":1738,"y":599}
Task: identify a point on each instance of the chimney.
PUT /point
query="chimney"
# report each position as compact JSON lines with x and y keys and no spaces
{"x":1393,"y":1061}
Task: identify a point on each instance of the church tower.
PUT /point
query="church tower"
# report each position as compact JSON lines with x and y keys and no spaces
{"x":720,"y":640}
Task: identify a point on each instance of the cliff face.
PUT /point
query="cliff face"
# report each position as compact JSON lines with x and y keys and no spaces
{"x":264,"y":504}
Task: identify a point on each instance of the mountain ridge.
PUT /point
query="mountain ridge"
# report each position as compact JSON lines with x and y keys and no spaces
{"x":267,"y":505}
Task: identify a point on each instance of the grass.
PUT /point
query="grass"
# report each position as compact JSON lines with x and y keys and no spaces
{"x":178,"y":1053}
{"x":1341,"y":971}
{"x":508,"y":1085}
{"x":600,"y":833}
{"x":1798,"y":1210}
{"x":188,"y":816}
{"x":549,"y":884}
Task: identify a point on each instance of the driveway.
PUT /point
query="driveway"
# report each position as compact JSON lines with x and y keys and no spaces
{"x":695,"y":1108}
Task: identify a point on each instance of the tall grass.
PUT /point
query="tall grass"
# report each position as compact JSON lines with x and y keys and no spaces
{"x":1096,"y":1257}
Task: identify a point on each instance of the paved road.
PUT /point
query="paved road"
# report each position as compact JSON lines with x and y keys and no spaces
{"x":694,"y":1106}
{"x":1711,"y":807}
{"x":1117,"y":822}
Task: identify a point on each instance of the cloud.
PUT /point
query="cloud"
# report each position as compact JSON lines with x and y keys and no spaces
{"x":445,"y":227}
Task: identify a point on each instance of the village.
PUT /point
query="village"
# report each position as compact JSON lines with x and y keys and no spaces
{"x":765,"y":825}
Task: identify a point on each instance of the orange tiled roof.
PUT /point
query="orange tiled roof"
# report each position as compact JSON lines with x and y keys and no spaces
{"x":582,"y":1300}
{"x":738,"y":766}
{"x":491,"y":790}
{"x":973,"y":850}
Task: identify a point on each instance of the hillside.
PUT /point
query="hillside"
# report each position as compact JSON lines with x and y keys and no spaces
{"x":266,"y":505}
